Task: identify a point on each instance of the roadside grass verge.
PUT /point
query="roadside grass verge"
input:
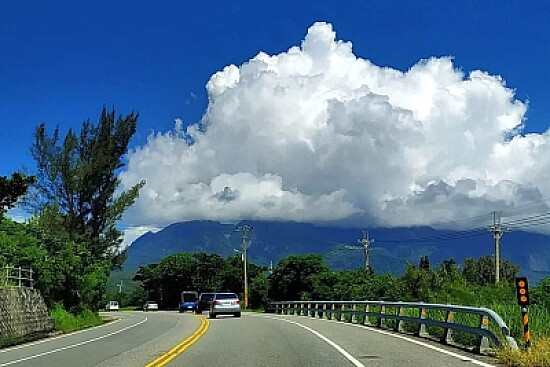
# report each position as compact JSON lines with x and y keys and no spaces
{"x":538,"y":356}
{"x":67,"y":322}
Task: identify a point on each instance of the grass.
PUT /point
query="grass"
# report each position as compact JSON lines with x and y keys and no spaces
{"x":538,"y":356}
{"x":67,"y":322}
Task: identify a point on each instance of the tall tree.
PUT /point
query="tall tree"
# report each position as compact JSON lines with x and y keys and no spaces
{"x":482,"y":270}
{"x":11,"y":189}
{"x":78,"y":178}
{"x":293,"y":277}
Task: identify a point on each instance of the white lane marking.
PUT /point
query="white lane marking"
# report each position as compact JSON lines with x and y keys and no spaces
{"x":50,"y":339}
{"x":72,"y":345}
{"x":333,"y":344}
{"x":403,"y":337}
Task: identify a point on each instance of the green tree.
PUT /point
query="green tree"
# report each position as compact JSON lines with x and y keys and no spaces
{"x":424,"y":263}
{"x":540,"y":294}
{"x":420,"y":284}
{"x":11,"y":189}
{"x":292,"y":278}
{"x":482,"y":270}
{"x":78,"y":179}
{"x":259,"y":291}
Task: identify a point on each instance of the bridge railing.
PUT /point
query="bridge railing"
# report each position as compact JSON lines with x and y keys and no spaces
{"x":481,"y":327}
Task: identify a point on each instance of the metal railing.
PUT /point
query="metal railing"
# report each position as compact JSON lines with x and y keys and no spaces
{"x":17,"y":277}
{"x":410,"y":317}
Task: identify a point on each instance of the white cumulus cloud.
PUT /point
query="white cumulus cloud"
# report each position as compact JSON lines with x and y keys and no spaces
{"x":318,"y":134}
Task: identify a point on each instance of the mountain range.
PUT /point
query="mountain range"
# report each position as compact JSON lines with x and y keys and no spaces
{"x":389,"y":252}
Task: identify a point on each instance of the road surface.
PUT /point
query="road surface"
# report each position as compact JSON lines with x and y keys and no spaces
{"x":156,"y":339}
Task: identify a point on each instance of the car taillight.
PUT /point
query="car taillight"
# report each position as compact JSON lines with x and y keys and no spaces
{"x":217,"y":303}
{"x":236,"y":302}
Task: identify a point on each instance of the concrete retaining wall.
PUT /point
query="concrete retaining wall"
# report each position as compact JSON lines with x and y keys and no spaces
{"x":23,"y":315}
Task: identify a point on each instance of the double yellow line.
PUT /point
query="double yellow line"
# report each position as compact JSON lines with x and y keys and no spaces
{"x":182,"y":346}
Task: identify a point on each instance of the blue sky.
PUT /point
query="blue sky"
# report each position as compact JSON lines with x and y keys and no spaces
{"x":62,"y":60}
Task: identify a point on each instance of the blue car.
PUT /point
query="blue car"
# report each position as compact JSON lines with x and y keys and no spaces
{"x":188,"y":301}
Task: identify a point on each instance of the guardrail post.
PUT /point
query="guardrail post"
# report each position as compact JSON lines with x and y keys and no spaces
{"x":314,"y":310}
{"x":421,"y":331}
{"x":380,"y":316}
{"x":447,"y":333}
{"x":322,"y":314}
{"x":342,"y":308}
{"x":311,"y":310}
{"x":366,"y":320}
{"x":353,"y":309}
{"x":482,"y":341}
{"x":331,"y":311}
{"x":398,"y":324}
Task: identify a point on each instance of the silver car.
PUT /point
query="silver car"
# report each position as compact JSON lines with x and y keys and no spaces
{"x":225,"y":304}
{"x":150,"y":306}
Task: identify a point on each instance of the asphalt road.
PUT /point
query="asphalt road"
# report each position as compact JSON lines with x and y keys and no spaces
{"x":156,"y":339}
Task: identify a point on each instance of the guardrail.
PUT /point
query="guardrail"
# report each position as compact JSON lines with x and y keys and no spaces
{"x":410,"y":317}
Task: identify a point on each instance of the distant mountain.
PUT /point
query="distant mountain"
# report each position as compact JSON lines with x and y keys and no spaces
{"x":271,"y":241}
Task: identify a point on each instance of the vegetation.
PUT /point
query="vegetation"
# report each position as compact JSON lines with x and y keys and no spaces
{"x":164,"y":282}
{"x":68,"y":322}
{"x":77,"y":181}
{"x":538,"y":356}
{"x":72,"y":242}
{"x":11,"y":189}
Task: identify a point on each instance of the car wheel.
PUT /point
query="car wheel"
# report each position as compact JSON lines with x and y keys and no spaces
{"x":237,"y":314}
{"x":212,"y":315}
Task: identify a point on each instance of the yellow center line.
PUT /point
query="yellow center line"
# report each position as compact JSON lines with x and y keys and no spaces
{"x":182,"y":346}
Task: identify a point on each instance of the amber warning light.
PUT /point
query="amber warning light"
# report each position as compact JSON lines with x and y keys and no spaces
{"x":522,"y":290}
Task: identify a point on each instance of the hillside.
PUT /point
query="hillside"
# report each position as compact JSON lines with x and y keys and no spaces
{"x":271,"y":241}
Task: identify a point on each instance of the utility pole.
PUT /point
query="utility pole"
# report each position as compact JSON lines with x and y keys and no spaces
{"x":244,"y":232}
{"x":119,"y":285}
{"x":497,"y":231}
{"x":366,"y":241}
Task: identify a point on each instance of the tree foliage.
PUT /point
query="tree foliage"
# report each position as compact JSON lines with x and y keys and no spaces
{"x":11,"y":189}
{"x":77,"y":179}
{"x":292,"y":278}
{"x":201,"y":272}
{"x":62,"y":269}
{"x":482,"y":270}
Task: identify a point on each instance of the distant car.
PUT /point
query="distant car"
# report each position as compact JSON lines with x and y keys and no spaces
{"x":150,"y":306}
{"x":111,"y":306}
{"x":225,"y":304}
{"x":188,"y":301}
{"x":204,"y":302}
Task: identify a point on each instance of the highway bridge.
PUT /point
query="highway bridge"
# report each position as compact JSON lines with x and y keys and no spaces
{"x":155,"y":339}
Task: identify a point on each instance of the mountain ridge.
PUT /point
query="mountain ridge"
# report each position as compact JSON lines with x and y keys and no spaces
{"x":270,"y":241}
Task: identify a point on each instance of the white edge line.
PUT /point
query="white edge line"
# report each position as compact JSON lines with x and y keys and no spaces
{"x":73,"y":345}
{"x":403,"y":337}
{"x":333,"y":344}
{"x":53,"y":338}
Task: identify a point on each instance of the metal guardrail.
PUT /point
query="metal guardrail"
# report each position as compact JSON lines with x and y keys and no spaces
{"x":17,"y":277}
{"x":420,"y":314}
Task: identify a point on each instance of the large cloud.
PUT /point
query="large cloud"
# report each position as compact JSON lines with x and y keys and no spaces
{"x":318,"y":134}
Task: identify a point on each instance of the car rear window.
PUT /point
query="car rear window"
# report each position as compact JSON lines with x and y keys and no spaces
{"x":226,"y":296}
